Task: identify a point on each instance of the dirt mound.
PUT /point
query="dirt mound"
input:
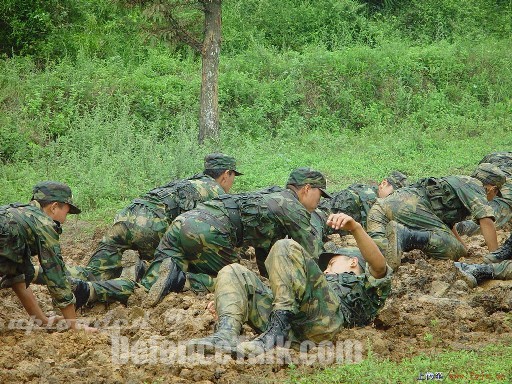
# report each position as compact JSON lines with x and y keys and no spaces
{"x":430,"y":310}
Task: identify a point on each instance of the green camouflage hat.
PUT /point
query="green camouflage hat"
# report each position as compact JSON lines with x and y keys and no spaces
{"x":397,"y":179}
{"x":55,"y":191}
{"x":489,"y":174}
{"x":303,"y":176}
{"x":332,"y":250}
{"x":220,"y":161}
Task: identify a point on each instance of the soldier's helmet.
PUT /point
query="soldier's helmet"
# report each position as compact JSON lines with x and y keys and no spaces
{"x":397,"y":179}
{"x":220,"y":161}
{"x":331,"y":250}
{"x":302,"y":176}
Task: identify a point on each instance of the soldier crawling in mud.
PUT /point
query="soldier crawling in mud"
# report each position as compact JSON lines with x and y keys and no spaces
{"x":501,"y":204}
{"x":423,"y":216}
{"x":202,"y":241}
{"x":32,"y":229}
{"x":303,"y":303}
{"x":355,"y":201}
{"x":141,"y":225}
{"x":497,"y":266}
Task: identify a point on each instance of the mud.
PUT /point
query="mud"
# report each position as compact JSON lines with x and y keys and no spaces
{"x":429,"y":311}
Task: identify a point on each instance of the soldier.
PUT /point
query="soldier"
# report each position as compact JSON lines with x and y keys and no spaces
{"x":33,"y":229}
{"x":501,"y":204}
{"x":303,"y":303}
{"x":141,"y":225}
{"x":355,"y":201}
{"x":421,"y":216}
{"x":498,"y":266}
{"x":202,"y":241}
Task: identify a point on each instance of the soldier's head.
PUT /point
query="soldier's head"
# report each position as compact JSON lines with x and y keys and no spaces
{"x":222,"y":168}
{"x":394,"y":181}
{"x":56,"y":199}
{"x":341,"y":259}
{"x":491,"y":177}
{"x":309,"y":186}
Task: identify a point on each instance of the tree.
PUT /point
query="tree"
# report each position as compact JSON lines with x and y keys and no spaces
{"x":176,"y":19}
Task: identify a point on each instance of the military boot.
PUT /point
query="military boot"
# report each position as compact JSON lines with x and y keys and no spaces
{"x":502,"y":253}
{"x":473,"y":274}
{"x":224,"y":339}
{"x":82,"y":291}
{"x":133,"y":266}
{"x":402,"y":239}
{"x":170,"y":279}
{"x":276,"y":334}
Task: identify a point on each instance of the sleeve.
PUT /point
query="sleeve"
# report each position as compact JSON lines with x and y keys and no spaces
{"x":54,"y":269}
{"x":376,"y":225}
{"x":472,"y":196}
{"x":379,"y":288}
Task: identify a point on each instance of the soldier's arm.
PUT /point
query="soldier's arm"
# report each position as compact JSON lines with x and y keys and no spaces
{"x":29,"y":302}
{"x":456,"y":234}
{"x":366,"y":245}
{"x":489,"y":232}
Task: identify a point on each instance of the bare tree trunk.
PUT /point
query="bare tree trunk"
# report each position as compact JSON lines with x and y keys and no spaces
{"x":209,"y":114}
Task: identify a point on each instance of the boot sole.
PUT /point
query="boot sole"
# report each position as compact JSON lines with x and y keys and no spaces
{"x":469,"y":279}
{"x":158,"y":290}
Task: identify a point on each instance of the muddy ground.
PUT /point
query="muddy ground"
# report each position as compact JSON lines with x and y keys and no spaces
{"x":428,"y":312}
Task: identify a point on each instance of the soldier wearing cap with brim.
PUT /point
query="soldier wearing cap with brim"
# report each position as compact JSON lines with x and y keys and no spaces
{"x":202,"y":241}
{"x":33,"y":229}
{"x":306,"y":301}
{"x":423,"y":216}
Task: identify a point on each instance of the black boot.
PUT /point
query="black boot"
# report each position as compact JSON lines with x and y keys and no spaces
{"x":276,"y":334}
{"x":224,"y":339}
{"x":402,"y":239}
{"x":81,"y":290}
{"x":170,"y":279}
{"x":502,"y":253}
{"x":473,"y":274}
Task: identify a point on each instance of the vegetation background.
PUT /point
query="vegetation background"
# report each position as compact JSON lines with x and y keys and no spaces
{"x":90,"y":96}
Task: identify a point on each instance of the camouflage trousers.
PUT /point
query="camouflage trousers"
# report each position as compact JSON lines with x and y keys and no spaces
{"x":503,"y":270}
{"x":297,"y":284}
{"x":410,"y":209}
{"x":105,"y":291}
{"x":136,"y":227}
{"x":201,"y":243}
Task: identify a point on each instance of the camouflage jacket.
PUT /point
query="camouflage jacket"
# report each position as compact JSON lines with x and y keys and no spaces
{"x":455,"y":198}
{"x":27,"y":231}
{"x":269,"y":215}
{"x":178,"y":196}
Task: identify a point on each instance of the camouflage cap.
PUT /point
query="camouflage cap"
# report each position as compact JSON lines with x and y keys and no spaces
{"x":303,"y":176}
{"x":331,"y":250}
{"x":220,"y":161}
{"x":489,"y":174}
{"x":397,"y":179}
{"x":55,"y":191}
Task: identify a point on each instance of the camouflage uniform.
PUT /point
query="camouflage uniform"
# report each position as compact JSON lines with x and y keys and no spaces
{"x":202,"y":241}
{"x":141,"y":225}
{"x":501,"y":204}
{"x":322,"y":304}
{"x":355,"y":201}
{"x":434,"y":205}
{"x":26,"y":231}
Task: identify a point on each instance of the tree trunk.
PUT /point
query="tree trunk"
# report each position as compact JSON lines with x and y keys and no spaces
{"x":209,"y":114}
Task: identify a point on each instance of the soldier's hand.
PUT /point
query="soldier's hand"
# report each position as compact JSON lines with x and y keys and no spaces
{"x":342,"y":221}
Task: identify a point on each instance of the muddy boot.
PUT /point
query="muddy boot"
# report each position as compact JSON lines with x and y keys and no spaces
{"x":82,"y":291}
{"x":275,"y":335}
{"x":402,"y":239}
{"x":468,"y":228}
{"x":473,"y":274}
{"x":501,"y":254}
{"x":224,"y":339}
{"x":133,"y":266}
{"x":170,"y":279}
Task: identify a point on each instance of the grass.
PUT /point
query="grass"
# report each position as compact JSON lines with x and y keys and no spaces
{"x":488,"y":365}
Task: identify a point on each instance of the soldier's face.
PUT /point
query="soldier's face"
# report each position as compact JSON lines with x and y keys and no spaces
{"x":227,"y":180}
{"x":385,"y":189}
{"x":340,"y":264}
{"x":57,"y":211}
{"x":310,"y":197}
